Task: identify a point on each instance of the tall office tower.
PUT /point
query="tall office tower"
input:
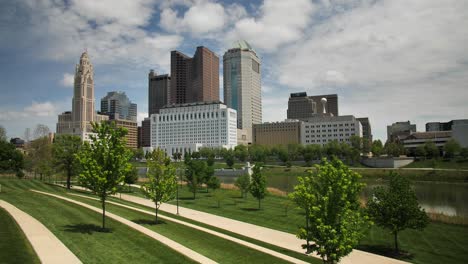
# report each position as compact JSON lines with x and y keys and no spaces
{"x":117,"y":106}
{"x":194,"y":79}
{"x":83,"y":110}
{"x":366,"y":128}
{"x":300,"y":106}
{"x":158,"y":92}
{"x":78,"y":121}
{"x":242,"y":84}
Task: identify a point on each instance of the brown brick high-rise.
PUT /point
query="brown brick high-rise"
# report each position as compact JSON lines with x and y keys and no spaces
{"x":194,"y":79}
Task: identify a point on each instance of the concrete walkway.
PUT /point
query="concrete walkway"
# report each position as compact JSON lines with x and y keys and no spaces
{"x":170,"y":243}
{"x":267,"y":235}
{"x":224,"y":236}
{"x":47,"y":246}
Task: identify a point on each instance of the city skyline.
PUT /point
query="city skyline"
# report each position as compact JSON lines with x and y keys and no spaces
{"x":389,"y":73}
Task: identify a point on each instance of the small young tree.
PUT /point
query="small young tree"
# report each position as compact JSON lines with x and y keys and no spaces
{"x":195,"y":174}
{"x":464,"y":153}
{"x":213,"y":183}
{"x":64,"y":152}
{"x":377,"y":148}
{"x":329,"y":196}
{"x":451,"y":148}
{"x":243,"y":183}
{"x":258,"y":184}
{"x":241,"y":153}
{"x":219,"y":196}
{"x":162,"y":181}
{"x":104,"y":162}
{"x":432,"y":151}
{"x":396,"y":207}
{"x":131,"y":177}
{"x":420,"y":151}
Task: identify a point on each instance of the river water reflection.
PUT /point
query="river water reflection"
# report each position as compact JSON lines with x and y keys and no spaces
{"x":450,"y":199}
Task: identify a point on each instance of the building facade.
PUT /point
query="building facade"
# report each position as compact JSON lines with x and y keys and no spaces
{"x":301,"y":106}
{"x":131,"y":138}
{"x":118,"y":107}
{"x":194,"y":79}
{"x":186,"y":128}
{"x":458,"y":127}
{"x":158,"y":91}
{"x":331,"y":105}
{"x":400,"y":130}
{"x":416,"y":139}
{"x":277,"y":133}
{"x":146,"y":132}
{"x":78,"y":121}
{"x":242,"y":84}
{"x":366,"y":128}
{"x":324,"y":129}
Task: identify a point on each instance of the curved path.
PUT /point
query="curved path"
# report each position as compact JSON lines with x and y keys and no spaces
{"x":168,"y":242}
{"x":267,"y":235}
{"x":47,"y":246}
{"x":224,"y":236}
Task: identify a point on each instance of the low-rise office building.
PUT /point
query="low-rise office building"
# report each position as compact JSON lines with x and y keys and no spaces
{"x":185,"y":128}
{"x":416,"y":139}
{"x":277,"y":133}
{"x":458,"y":127}
{"x":323,"y":129}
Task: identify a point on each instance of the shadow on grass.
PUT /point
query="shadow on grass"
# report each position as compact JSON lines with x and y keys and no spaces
{"x":86,"y":229}
{"x":186,"y":198}
{"x":250,"y":209}
{"x":386,"y":251}
{"x":148,"y":222}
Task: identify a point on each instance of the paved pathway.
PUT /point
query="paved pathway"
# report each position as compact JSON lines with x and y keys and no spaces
{"x":224,"y":236}
{"x":170,"y":243}
{"x":267,"y":235}
{"x":47,"y":246}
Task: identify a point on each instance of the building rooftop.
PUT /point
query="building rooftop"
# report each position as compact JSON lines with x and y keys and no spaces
{"x":192,"y":104}
{"x":429,"y":135}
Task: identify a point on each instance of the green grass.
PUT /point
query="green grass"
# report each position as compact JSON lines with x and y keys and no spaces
{"x":440,"y":164}
{"x":257,"y":242}
{"x":437,"y":243}
{"x":79,"y":228}
{"x":14,"y":246}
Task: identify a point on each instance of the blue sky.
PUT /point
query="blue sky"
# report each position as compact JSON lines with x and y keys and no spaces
{"x":390,"y":60}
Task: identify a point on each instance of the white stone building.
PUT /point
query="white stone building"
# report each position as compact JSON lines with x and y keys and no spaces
{"x":188,"y":127}
{"x":326,"y":128}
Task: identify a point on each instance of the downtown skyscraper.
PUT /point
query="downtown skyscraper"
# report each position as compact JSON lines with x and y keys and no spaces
{"x":242,"y":84}
{"x":194,"y":79}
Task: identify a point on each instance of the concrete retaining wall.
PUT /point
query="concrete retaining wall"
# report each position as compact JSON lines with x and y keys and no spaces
{"x":387,"y":162}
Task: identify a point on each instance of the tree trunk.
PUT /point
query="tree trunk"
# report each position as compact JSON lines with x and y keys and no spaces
{"x":395,"y":236}
{"x":103,"y":213}
{"x":307,"y":231}
{"x":68,"y":180}
{"x":156,"y":210}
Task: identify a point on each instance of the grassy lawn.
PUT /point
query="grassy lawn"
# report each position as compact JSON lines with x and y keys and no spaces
{"x":438,"y":243}
{"x":216,"y":248}
{"x":14,"y":246}
{"x":440,"y":164}
{"x":79,"y":228}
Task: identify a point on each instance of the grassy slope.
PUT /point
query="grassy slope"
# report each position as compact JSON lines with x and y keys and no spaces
{"x":439,"y":164}
{"x":78,"y":228}
{"x":13,"y":243}
{"x":436,"y":244}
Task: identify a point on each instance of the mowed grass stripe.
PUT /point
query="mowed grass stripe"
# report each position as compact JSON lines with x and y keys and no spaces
{"x":79,"y":229}
{"x":14,"y":246}
{"x":216,"y":248}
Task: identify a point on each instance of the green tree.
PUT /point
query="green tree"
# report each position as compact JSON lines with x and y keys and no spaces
{"x":258,"y":153}
{"x":329,"y":196}
{"x":40,"y":154}
{"x":213,"y":183}
{"x":366,"y":145}
{"x":131,"y":177}
{"x":394,"y":149}
{"x":162,"y":181}
{"x":64,"y":152}
{"x":356,"y":142}
{"x":104,"y":162}
{"x":11,"y":160}
{"x":241,"y":153}
{"x":451,"y":148}
{"x":432,"y":151}
{"x":420,"y":151}
{"x":396,"y":207}
{"x":229,"y":158}
{"x":283,"y":154}
{"x":464,"y":153}
{"x":258,"y":184}
{"x":377,"y":148}
{"x":138,"y":154}
{"x":195,"y":173}
{"x":333,"y":149}
{"x":243,"y":183}
{"x":219,"y":196}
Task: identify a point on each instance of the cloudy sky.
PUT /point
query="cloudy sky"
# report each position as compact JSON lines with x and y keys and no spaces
{"x":390,"y":60}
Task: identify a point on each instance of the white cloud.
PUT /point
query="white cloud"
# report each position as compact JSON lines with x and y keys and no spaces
{"x":201,"y":17}
{"x":279,"y":23}
{"x":67,"y":80}
{"x":141,"y":116}
{"x":391,"y":60}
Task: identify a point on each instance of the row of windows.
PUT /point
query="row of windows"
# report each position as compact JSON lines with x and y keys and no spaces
{"x":330,"y":135}
{"x":329,"y":130}
{"x":334,"y":125}
{"x":325,"y":140}
{"x":191,"y":116}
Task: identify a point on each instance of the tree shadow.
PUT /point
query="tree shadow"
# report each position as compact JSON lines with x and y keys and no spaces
{"x":86,"y":229}
{"x":386,"y":251}
{"x":250,"y":209}
{"x":186,"y":198}
{"x":148,"y":222}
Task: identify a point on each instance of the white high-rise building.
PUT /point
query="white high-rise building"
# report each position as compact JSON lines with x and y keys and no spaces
{"x":185,"y":128}
{"x":242,"y":85}
{"x":78,"y":121}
